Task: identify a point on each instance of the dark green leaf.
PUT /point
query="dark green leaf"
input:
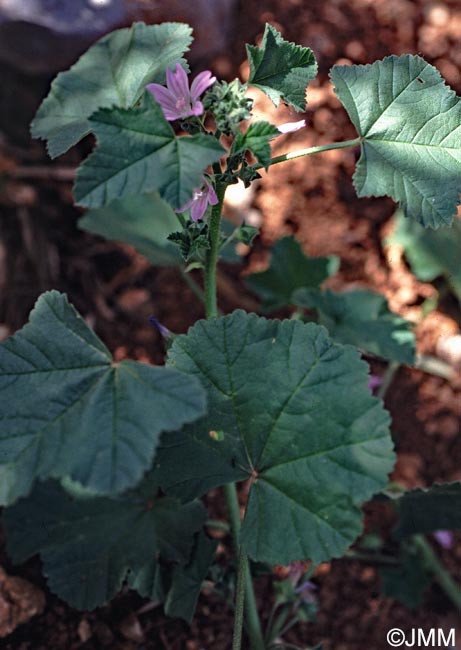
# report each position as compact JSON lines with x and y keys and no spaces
{"x":408,"y":120}
{"x":289,"y":269}
{"x":425,"y":511}
{"x":257,"y":140}
{"x":187,"y":580}
{"x":281,"y":69}
{"x":143,"y":221}
{"x":113,"y":72}
{"x":89,"y":546}
{"x":362,"y":318}
{"x":69,"y":409}
{"x":138,"y":152}
{"x":407,"y":582}
{"x":294,"y":413}
{"x":431,"y":254}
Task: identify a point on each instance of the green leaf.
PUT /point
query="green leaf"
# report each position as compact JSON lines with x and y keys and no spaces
{"x":431,"y":254}
{"x":187,"y":580}
{"x":69,"y":409}
{"x":408,"y":120}
{"x":289,"y":269}
{"x":143,"y":221}
{"x":257,"y":140}
{"x":89,"y":546}
{"x":281,"y":69}
{"x":294,"y":414}
{"x":362,"y":318}
{"x":408,"y":582}
{"x":113,"y":72}
{"x":138,"y":152}
{"x":425,"y":511}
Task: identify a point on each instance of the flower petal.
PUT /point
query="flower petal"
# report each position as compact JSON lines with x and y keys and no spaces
{"x":177,"y":83}
{"x":162,"y":96}
{"x":201,"y":82}
{"x":199,"y":207}
{"x":211,"y":194}
{"x":291,"y":127}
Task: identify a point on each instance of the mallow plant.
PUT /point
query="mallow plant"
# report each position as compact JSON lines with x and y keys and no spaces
{"x":103,"y":462}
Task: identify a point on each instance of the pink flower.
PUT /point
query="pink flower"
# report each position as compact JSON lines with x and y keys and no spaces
{"x":202,"y":197}
{"x":177,"y":100}
{"x":444,"y":538}
{"x":291,"y":127}
{"x":374,"y":382}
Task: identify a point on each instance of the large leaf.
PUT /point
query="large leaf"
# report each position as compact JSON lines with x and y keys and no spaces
{"x":113,"y":72}
{"x":362,"y":318}
{"x":138,"y":152}
{"x":424,"y":511}
{"x":408,"y":581}
{"x":289,"y":269}
{"x":89,"y":546}
{"x":291,"y":410}
{"x":409,"y":123}
{"x":281,"y":69}
{"x":143,"y":221}
{"x":431,"y":254}
{"x":69,"y":409}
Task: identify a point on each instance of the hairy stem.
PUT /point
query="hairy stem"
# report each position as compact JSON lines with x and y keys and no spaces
{"x":253,"y":625}
{"x":310,"y":150}
{"x":211,"y":305}
{"x":239,"y":602}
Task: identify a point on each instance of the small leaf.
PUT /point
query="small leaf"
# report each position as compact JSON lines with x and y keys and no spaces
{"x":143,"y":221}
{"x":69,"y":410}
{"x":257,"y":140}
{"x":425,"y":511}
{"x":408,"y":120}
{"x":430,"y":254}
{"x":113,"y":72}
{"x":138,"y":152}
{"x":187,"y":580}
{"x":281,"y":69}
{"x":362,"y":318}
{"x":296,"y":417}
{"x":289,"y":269}
{"x":89,"y":546}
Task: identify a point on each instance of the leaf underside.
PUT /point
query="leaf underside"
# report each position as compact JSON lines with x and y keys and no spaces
{"x":69,"y":410}
{"x":425,"y":511}
{"x":409,"y":122}
{"x":143,"y":221}
{"x":113,"y":72}
{"x":291,"y":409}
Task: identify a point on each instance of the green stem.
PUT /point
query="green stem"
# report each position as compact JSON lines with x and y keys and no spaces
{"x":252,"y":619}
{"x":211,"y":306}
{"x":388,"y":378}
{"x":192,"y":284}
{"x":239,"y":602}
{"x":309,"y":151}
{"x":433,"y":564}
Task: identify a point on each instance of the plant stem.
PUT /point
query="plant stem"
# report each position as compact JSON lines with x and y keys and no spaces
{"x":192,"y":284}
{"x":388,"y":377}
{"x":252,"y":619}
{"x":211,"y":306}
{"x":309,"y":151}
{"x":433,"y":564}
{"x":239,"y":602}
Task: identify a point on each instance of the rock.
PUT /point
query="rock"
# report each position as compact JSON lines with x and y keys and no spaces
{"x":19,"y":601}
{"x":45,"y":36}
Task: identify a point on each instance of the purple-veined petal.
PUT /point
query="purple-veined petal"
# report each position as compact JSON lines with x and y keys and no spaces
{"x":177,"y":82}
{"x":291,"y":127}
{"x":211,"y":194}
{"x":201,"y":82}
{"x":199,"y":207}
{"x":186,"y":206}
{"x":197,"y":109}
